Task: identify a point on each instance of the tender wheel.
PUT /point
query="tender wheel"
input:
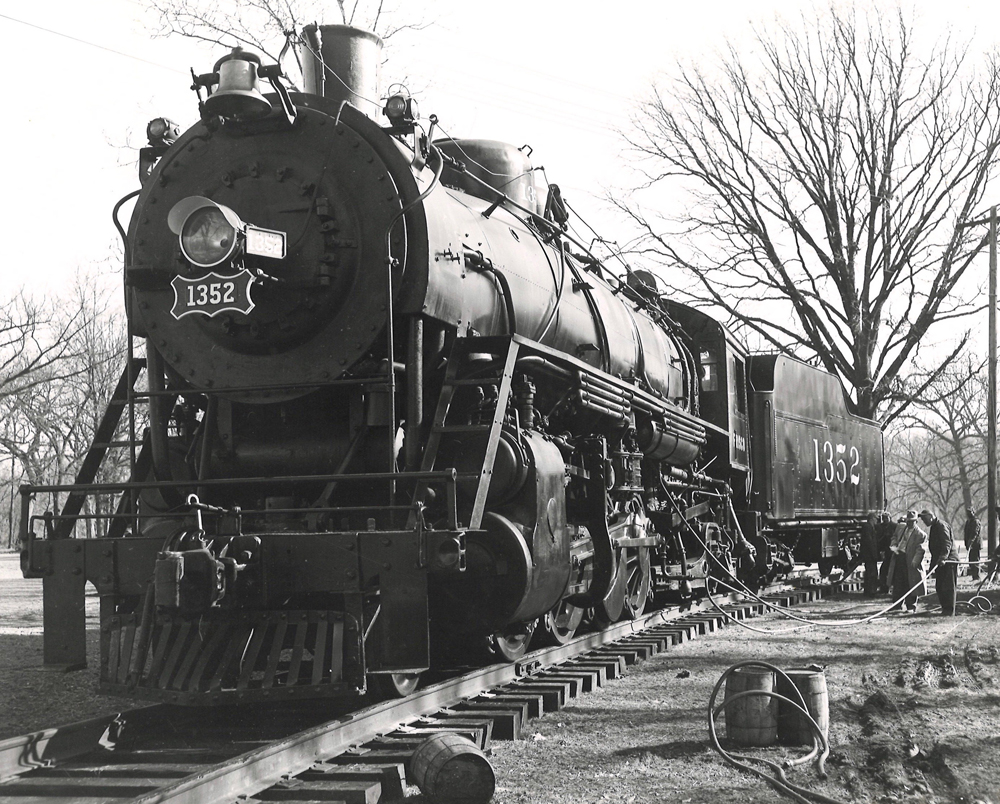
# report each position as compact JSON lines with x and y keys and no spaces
{"x":559,"y":625}
{"x":393,"y":685}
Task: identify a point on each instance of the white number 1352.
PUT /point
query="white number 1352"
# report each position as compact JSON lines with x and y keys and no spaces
{"x":211,"y":293}
{"x":830,"y":463}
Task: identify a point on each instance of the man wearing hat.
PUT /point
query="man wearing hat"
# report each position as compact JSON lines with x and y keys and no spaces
{"x":944,"y":557}
{"x":899,"y":573}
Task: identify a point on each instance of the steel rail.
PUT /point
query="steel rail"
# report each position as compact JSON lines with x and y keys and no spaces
{"x":256,"y":770}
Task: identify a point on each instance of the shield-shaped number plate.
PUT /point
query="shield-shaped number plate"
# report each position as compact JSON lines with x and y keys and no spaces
{"x":212,"y":294}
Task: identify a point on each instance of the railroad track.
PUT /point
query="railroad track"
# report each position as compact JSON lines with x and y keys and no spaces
{"x":172,"y":754}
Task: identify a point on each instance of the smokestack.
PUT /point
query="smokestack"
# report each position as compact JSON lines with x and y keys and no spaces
{"x":342,"y":63}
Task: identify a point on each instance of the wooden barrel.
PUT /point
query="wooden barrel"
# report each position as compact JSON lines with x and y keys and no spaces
{"x":450,"y":769}
{"x":793,"y":728}
{"x":752,"y":720}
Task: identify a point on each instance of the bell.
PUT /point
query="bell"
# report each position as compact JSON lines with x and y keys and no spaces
{"x":238,"y":95}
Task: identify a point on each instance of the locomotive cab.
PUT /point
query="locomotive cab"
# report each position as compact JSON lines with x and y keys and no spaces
{"x":722,"y":380}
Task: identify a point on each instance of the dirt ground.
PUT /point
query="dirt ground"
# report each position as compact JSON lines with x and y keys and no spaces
{"x":914,"y":716}
{"x":30,"y":697}
{"x":914,"y":709}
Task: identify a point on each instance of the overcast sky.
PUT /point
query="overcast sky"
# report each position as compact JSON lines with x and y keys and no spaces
{"x":85,"y":77}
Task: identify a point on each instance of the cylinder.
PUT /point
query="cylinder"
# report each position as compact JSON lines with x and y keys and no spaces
{"x":448,"y":768}
{"x":342,"y":63}
{"x":793,"y":728}
{"x":752,"y":720}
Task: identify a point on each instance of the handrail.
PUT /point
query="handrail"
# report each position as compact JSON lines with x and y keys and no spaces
{"x":442,"y":474}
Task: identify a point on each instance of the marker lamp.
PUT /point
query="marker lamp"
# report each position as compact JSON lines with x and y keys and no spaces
{"x":400,"y":109}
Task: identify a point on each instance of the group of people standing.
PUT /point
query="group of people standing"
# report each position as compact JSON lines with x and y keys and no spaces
{"x":902,"y":548}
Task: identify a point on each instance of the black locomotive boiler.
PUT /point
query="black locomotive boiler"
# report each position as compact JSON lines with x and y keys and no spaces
{"x":390,"y":417}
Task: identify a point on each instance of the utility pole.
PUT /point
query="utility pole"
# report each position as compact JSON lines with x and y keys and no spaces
{"x":10,"y":510}
{"x":991,"y":404}
{"x":991,"y":439}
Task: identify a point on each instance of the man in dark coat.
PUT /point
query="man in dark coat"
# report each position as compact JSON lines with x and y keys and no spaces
{"x":870,"y":554}
{"x":973,"y":542}
{"x":885,"y":529}
{"x":944,"y":558}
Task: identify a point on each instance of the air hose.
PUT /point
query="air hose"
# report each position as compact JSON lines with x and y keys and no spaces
{"x":779,"y":781}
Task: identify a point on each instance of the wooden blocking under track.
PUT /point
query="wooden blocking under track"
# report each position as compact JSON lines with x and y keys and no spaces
{"x":602,"y":670}
{"x":391,"y":777}
{"x":703,"y":623}
{"x":615,"y":665}
{"x":628,"y":655}
{"x":573,"y":682}
{"x":506,"y":720}
{"x":738,"y":611}
{"x":479,"y":732}
{"x":300,"y":791}
{"x":451,"y":770}
{"x":554,"y":693}
{"x":535,"y":703}
{"x":589,"y":678}
{"x":649,"y":646}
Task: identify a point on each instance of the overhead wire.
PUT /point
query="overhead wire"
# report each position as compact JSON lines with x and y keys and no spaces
{"x":90,"y":44}
{"x":541,"y":111}
{"x":486,"y":59}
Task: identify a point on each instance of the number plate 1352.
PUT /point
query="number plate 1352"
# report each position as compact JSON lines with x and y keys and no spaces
{"x":212,"y":294}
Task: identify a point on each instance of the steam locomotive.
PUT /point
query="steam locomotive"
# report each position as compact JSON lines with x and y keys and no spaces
{"x":391,"y":417}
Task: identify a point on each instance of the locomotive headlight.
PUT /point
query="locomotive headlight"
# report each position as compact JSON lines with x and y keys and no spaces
{"x":209,"y":233}
{"x":208,"y":238}
{"x":212,"y":233}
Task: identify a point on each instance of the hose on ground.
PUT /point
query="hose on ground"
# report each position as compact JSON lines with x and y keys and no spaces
{"x":779,"y":781}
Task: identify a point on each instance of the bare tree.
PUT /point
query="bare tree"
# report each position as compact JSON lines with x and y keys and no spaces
{"x":828,"y":177}
{"x":36,"y":343}
{"x":48,"y":416}
{"x":937,"y":449}
{"x":37,"y":347}
{"x":270,"y":26}
{"x":918,"y":470}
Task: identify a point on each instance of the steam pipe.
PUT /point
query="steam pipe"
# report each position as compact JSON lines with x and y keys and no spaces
{"x":414,"y":390}
{"x":157,"y":414}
